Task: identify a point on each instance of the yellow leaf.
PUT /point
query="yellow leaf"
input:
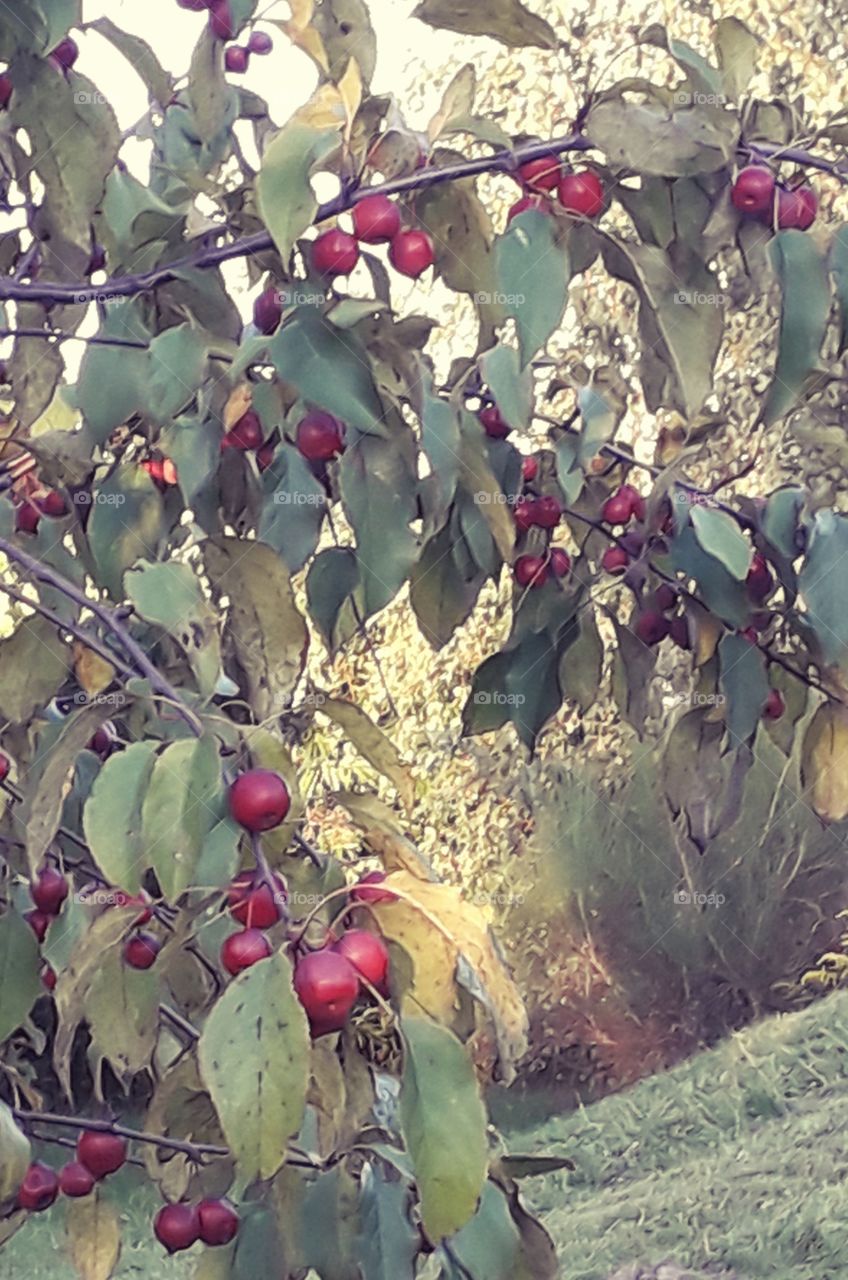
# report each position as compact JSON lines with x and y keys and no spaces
{"x":93,"y":673}
{"x":350,"y":90}
{"x":446,"y":936}
{"x":325,"y":109}
{"x":299,"y":30}
{"x":237,"y":405}
{"x":94,"y":1236}
{"x":824,"y":762}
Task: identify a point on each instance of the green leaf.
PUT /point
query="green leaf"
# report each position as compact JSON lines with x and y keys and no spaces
{"x":532,"y":272}
{"x":372,"y":743}
{"x":294,"y":508}
{"x":35,"y":367}
{"x":126,"y":525}
{"x":33,"y":664}
{"x":519,"y":685}
{"x":463,"y":239}
{"x":170,"y":596}
{"x":122,"y":1012}
{"x":141,"y":58}
{"x":179,"y":809}
{"x":581,"y":666}
{"x":483,"y":487}
{"x":331,"y":588}
{"x":284,"y":192}
{"x":737,"y":49}
{"x":443,"y":1122}
{"x":823,"y":584}
{"x":110,"y":390}
{"x":440,"y":440}
{"x":722,"y":593}
{"x":15,"y":1154}
{"x":488,"y":1246}
{"x":838,"y":263}
{"x":720,"y":536}
{"x":329,"y":1222}
{"x":744,"y":684}
{"x":505,"y":20}
{"x":441,"y":597}
{"x":195,"y":450}
{"x":510,"y":384}
{"x":20,"y":985}
{"x":259,"y":1095}
{"x":45,"y":797}
{"x":379,"y":493}
{"x":388,"y":1244}
{"x":176,"y":368}
{"x":267,"y":631}
{"x":650,"y":139}
{"x":306,"y":347}
{"x":780,"y":519}
{"x":346,"y":32}
{"x":700,"y":74}
{"x":633,"y":669}
{"x":212,"y":100}
{"x":799,"y":265}
{"x":74,"y":139}
{"x":112,"y":815}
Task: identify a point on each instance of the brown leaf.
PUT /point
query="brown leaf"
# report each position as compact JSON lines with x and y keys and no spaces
{"x":93,"y":673}
{"x":94,"y":1236}
{"x":824,"y":762}
{"x":377,"y":748}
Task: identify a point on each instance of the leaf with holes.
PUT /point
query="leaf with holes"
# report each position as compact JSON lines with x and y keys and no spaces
{"x":170,"y":596}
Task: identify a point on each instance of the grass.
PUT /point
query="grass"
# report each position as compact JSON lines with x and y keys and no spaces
{"x":736,"y":1160}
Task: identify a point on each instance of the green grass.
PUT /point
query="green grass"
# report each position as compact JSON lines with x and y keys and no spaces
{"x":737,"y":1159}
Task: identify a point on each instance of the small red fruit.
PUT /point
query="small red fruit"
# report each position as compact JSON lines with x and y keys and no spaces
{"x":27,"y":518}
{"x":615,"y":559}
{"x":529,"y":468}
{"x":242,"y":950}
{"x":678,"y":630}
{"x":750,"y":635}
{"x":547,"y":512}
{"x":39,"y":1188}
{"x":625,"y":503}
{"x":335,"y":253}
{"x":247,"y":432}
{"x":75,"y":1180}
{"x":53,"y":504}
{"x":177,"y":1227}
{"x":48,"y":977}
{"x":651,"y":627}
{"x":368,"y":954}
{"x":542,"y":174}
{"x":141,"y":950}
{"x":531,"y":571}
{"x":104,"y":740}
{"x":560,"y":563}
{"x":39,"y":923}
{"x":268,"y":310}
{"x":120,"y":898}
{"x":665,"y":597}
{"x":236,"y":59}
{"x":365,"y":889}
{"x":259,"y":800}
{"x":581,"y":193}
{"x":411,"y":253}
{"x":796,"y":209}
{"x":320,"y":436}
{"x":101,"y":1153}
{"x":376,"y":220}
{"x":759,"y":581}
{"x":327,"y":986}
{"x":493,"y":424}
{"x":539,"y":203}
{"x":753,"y":190}
{"x":219,"y":1222}
{"x":5,"y":766}
{"x":255,"y":903}
{"x":66,"y":53}
{"x":221,"y":19}
{"x":260,"y":43}
{"x":5,"y":92}
{"x":524,"y":513}
{"x":49,"y":891}
{"x":775,"y":706}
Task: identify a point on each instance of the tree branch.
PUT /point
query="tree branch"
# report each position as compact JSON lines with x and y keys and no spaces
{"x":108,"y":619}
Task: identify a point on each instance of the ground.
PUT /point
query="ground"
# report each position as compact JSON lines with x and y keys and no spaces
{"x":736,"y":1161}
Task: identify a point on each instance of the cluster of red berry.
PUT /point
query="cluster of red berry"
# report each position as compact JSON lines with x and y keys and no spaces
{"x":757,"y":193}
{"x":547,"y":185}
